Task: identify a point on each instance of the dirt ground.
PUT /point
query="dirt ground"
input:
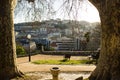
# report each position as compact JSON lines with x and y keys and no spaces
{"x":42,"y":72}
{"x":25,"y":66}
{"x":47,"y":57}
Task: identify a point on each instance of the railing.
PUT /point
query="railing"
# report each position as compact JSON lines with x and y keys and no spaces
{"x":82,"y":53}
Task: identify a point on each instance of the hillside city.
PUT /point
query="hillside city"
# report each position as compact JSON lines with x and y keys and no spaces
{"x":58,"y":35}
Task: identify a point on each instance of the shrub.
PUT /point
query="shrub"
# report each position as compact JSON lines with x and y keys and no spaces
{"x":20,"y":50}
{"x":52,"y":49}
{"x":64,"y":60}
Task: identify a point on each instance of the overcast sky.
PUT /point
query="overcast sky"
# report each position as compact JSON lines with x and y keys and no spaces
{"x":86,"y":12}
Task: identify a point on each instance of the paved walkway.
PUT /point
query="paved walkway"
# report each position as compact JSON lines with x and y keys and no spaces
{"x":26,"y":66}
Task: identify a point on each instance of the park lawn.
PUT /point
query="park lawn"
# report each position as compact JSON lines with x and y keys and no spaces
{"x":61,"y":62}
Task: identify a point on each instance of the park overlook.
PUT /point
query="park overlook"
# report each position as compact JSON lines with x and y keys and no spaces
{"x":59,"y":40}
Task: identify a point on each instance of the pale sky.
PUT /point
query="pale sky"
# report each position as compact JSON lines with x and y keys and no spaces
{"x":87,"y":13}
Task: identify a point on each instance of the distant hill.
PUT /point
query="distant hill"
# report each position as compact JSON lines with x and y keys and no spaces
{"x":62,"y":24}
{"x":28,"y":23}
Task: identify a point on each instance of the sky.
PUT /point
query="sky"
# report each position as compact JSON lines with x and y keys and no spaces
{"x":86,"y":12}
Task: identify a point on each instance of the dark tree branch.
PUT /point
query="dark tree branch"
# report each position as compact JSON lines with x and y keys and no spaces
{"x":97,"y":3}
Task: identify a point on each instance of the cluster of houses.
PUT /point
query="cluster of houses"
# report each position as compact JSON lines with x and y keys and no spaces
{"x":47,"y":35}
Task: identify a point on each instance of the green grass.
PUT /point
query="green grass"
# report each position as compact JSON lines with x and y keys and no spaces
{"x":62,"y":62}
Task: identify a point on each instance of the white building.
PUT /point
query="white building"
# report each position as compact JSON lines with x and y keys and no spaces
{"x":55,"y":34}
{"x":68,"y":31}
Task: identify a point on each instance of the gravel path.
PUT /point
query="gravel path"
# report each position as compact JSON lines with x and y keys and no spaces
{"x":26,"y":66}
{"x":62,"y":76}
{"x":47,"y":57}
{"x":67,"y":72}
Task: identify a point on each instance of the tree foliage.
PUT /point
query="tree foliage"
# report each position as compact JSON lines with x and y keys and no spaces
{"x":37,"y":10}
{"x":34,"y":10}
{"x":20,"y":50}
{"x":61,"y":26}
{"x":87,"y":36}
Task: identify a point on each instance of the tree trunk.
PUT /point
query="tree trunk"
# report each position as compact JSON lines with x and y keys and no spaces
{"x":8,"y":68}
{"x":108,"y":67}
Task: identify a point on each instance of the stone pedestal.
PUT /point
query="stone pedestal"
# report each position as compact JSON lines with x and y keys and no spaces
{"x":55,"y":72}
